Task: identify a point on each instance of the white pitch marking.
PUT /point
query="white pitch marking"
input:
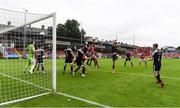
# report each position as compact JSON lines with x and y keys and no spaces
{"x":174,"y":78}
{"x":84,"y":100}
{"x":63,"y":94}
{"x":30,"y":83}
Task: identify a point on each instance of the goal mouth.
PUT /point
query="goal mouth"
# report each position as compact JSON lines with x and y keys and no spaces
{"x":28,"y":55}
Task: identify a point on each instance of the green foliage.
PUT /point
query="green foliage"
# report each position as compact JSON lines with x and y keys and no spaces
{"x":178,"y":48}
{"x":71,"y":28}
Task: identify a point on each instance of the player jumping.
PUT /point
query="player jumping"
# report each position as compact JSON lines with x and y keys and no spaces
{"x":156,"y":57}
{"x":142,"y":59}
{"x":31,"y":57}
{"x":69,"y":59}
{"x":128,"y":58}
{"x":80,"y":63}
{"x":39,"y":59}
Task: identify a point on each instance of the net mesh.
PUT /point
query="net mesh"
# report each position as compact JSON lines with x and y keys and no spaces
{"x":24,"y":51}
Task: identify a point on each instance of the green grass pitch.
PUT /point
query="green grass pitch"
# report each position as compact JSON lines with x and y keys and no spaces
{"x":132,"y":87}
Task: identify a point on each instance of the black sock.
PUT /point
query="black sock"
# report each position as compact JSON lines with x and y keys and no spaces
{"x":42,"y":68}
{"x":90,"y":62}
{"x":124,"y":63}
{"x":131,"y":64}
{"x":83,"y":70}
{"x":145,"y":63}
{"x":77,"y":69}
{"x":158,"y":78}
{"x":65,"y":67}
{"x":71,"y":69}
{"x":113,"y":66}
{"x":87,"y":62}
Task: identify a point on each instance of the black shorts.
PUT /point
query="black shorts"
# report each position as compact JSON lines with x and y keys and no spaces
{"x":68,"y":60}
{"x":79,"y":61}
{"x":114,"y":56}
{"x":157,"y":67}
{"x":40,"y":60}
{"x":128,"y":59}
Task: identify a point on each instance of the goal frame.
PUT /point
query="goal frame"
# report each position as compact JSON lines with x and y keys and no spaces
{"x":53,"y":16}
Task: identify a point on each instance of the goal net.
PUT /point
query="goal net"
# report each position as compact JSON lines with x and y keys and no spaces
{"x":27,"y":55}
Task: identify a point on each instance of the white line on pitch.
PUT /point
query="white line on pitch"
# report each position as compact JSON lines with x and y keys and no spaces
{"x":63,"y":94}
{"x":82,"y":99}
{"x":23,"y":99}
{"x":30,"y":83}
{"x":137,"y":74}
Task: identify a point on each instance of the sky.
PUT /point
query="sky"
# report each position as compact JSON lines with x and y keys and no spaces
{"x":150,"y":21}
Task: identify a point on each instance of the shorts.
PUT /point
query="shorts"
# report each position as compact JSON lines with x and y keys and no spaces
{"x":79,"y":62}
{"x":128,"y":59}
{"x":114,"y":56}
{"x":68,"y":60}
{"x":157,"y":67}
{"x":40,"y":61}
{"x":31,"y":60}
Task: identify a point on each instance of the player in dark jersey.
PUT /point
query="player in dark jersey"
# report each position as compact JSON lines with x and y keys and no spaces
{"x":39,"y":60}
{"x":142,"y":59}
{"x":69,"y":59}
{"x":156,"y":57}
{"x":128,"y":58}
{"x":80,"y":62}
{"x":93,"y":57}
{"x":114,"y":55}
{"x":40,"y":53}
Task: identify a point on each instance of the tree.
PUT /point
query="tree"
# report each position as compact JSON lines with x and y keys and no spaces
{"x":71,"y":29}
{"x":178,"y":48}
{"x":49,"y":30}
{"x":61,"y":30}
{"x":83,"y":33}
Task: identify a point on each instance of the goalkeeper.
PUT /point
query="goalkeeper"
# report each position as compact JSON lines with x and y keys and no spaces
{"x":31,"y":57}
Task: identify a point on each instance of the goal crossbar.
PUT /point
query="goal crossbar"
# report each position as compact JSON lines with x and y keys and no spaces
{"x":31,"y":22}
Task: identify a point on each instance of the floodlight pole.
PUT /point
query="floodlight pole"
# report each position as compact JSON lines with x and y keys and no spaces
{"x":134,"y":41}
{"x":25,"y":29}
{"x":116,"y":36}
{"x":81,"y":32}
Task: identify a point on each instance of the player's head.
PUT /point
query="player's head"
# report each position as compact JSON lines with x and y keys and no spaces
{"x":155,"y":46}
{"x":33,"y":42}
{"x":93,"y":45}
{"x":82,"y":46}
{"x":162,"y":49}
{"x":115,"y":42}
{"x":80,"y":51}
{"x":86,"y":43}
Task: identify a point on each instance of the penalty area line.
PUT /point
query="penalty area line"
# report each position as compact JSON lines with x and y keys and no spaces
{"x":137,"y":74}
{"x":83,"y":100}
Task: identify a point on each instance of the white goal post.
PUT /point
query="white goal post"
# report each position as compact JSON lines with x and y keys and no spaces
{"x":27,"y":55}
